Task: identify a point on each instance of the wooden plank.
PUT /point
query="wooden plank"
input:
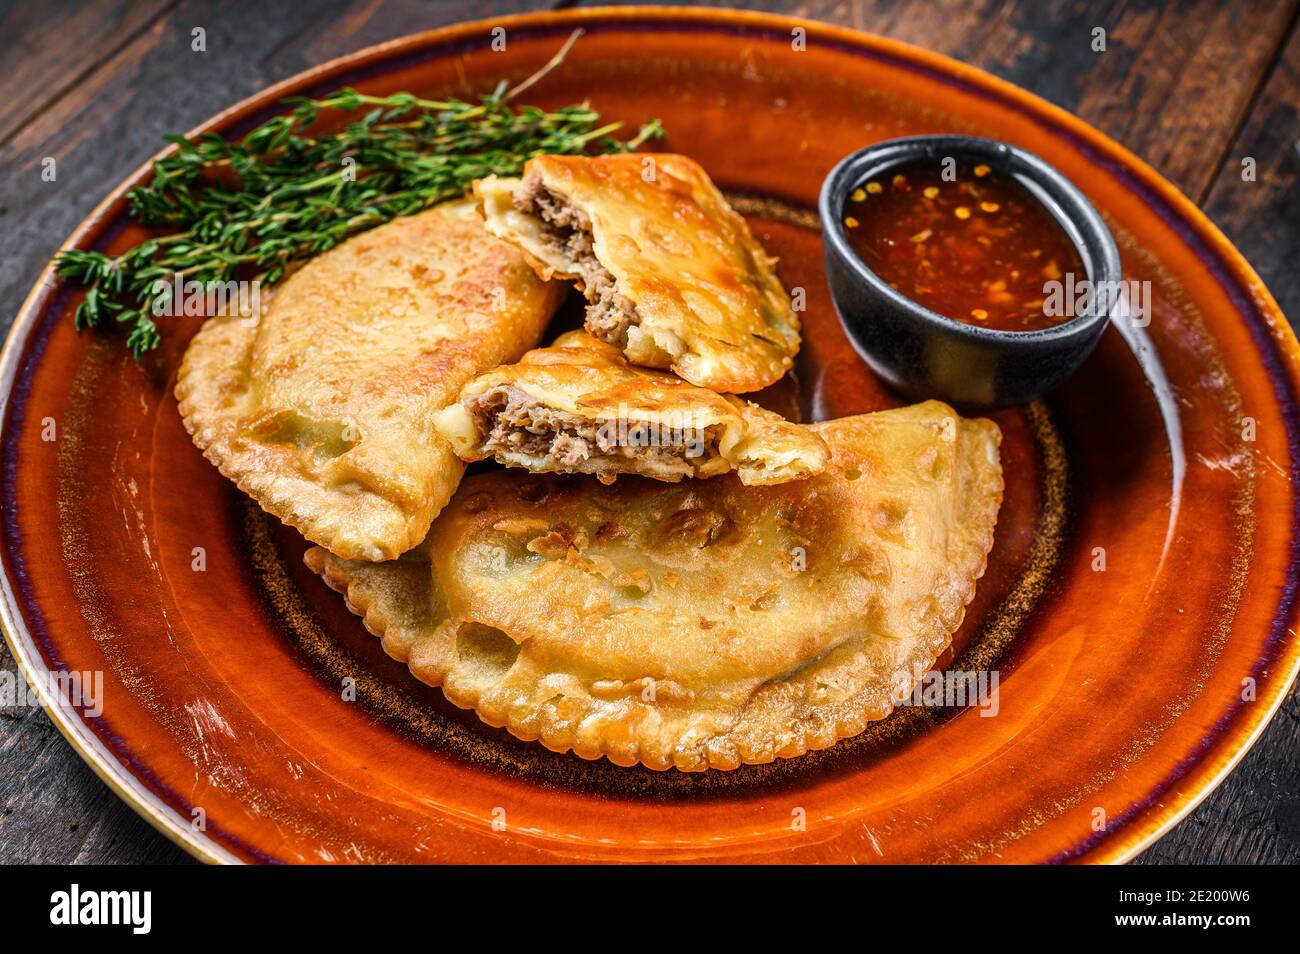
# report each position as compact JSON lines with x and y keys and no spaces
{"x":1254,"y":817}
{"x":42,"y":58}
{"x":55,"y":810}
{"x":1262,"y":217}
{"x":112,"y":120}
{"x":1171,"y":84}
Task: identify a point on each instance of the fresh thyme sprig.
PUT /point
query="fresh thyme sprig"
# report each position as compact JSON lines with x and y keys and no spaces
{"x":279,"y":195}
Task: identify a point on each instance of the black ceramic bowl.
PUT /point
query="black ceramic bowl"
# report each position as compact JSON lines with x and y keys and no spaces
{"x":926,"y":355}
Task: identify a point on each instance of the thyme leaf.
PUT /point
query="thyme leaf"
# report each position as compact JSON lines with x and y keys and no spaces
{"x":256,"y":206}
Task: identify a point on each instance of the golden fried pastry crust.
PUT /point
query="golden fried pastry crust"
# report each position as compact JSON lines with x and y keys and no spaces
{"x":702,"y":625}
{"x":579,"y":407}
{"x":672,"y":275}
{"x":322,"y":410}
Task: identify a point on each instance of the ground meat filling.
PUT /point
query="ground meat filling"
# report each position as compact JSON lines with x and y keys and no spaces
{"x":568,"y":231}
{"x":512,"y":421}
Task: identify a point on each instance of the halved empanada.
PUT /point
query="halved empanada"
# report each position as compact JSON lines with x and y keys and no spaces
{"x":322,"y":410}
{"x":700,"y":625}
{"x":671,"y":273}
{"x":579,"y":407}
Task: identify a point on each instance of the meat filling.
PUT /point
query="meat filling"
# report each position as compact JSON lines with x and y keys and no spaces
{"x":568,"y":230}
{"x":513,"y":421}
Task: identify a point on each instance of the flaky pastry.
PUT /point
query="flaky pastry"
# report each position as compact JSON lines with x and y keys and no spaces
{"x":672,"y":275}
{"x":699,"y":625}
{"x":322,"y":409}
{"x":579,"y":407}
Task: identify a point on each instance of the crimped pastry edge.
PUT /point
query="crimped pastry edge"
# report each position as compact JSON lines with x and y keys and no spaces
{"x":281,"y":495}
{"x":764,"y":730}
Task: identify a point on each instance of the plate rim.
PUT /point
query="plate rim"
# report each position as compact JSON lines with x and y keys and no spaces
{"x":1118,"y":849}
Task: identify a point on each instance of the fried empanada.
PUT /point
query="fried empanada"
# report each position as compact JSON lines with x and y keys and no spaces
{"x":579,"y":407}
{"x":322,"y":409}
{"x":700,"y":625}
{"x":672,"y":275}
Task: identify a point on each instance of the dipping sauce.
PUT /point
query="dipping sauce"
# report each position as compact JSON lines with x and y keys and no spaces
{"x":976,"y":247}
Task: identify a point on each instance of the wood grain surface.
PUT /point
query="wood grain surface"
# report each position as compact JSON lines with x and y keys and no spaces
{"x":1194,"y":87}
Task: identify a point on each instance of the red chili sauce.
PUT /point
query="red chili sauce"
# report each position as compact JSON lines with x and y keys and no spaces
{"x":976,"y":246}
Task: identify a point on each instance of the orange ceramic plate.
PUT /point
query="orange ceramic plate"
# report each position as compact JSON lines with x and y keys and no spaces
{"x":1139,"y":606}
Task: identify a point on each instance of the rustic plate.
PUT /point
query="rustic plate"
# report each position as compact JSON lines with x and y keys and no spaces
{"x":1139,"y":606}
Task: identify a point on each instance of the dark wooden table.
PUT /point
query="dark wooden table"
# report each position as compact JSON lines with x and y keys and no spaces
{"x":1192,"y":86}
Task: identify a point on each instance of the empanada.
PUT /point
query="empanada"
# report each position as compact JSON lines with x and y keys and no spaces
{"x":672,"y":275}
{"x":698,"y":625}
{"x":579,"y":407}
{"x":322,"y":410}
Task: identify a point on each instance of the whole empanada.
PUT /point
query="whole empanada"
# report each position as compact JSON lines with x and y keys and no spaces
{"x":672,"y":275}
{"x":698,"y":625}
{"x":322,"y":410}
{"x":579,"y":407}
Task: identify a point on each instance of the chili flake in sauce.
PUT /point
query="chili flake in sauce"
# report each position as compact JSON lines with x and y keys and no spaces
{"x":978,"y":249}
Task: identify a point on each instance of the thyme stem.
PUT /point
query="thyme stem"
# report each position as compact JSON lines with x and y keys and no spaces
{"x":253,"y":207}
